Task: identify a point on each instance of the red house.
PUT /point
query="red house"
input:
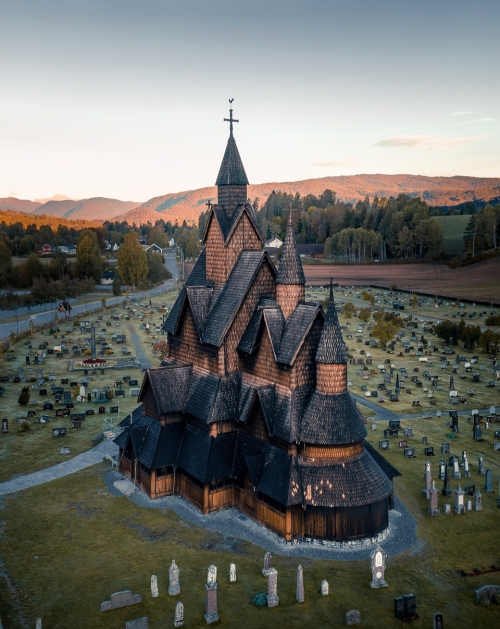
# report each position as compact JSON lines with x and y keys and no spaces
{"x":47,"y":250}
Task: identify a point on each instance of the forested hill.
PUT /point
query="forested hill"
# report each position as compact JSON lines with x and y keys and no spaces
{"x":445,"y":191}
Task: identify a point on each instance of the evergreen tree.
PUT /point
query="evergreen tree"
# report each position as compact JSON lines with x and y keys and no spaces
{"x":24,"y":396}
{"x":117,"y":284}
{"x":88,"y":256}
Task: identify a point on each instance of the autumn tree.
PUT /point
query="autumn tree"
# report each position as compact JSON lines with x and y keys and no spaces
{"x":88,"y":256}
{"x":161,"y":349}
{"x":364,"y":314}
{"x":384,"y":331}
{"x":193,"y":245}
{"x":349,"y":310}
{"x":132,"y":261}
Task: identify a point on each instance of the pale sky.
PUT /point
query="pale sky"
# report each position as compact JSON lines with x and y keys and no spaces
{"x":126,"y":98}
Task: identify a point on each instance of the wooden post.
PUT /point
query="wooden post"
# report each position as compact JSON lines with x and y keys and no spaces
{"x":206,"y":498}
{"x":152,"y":484}
{"x":288,"y":524}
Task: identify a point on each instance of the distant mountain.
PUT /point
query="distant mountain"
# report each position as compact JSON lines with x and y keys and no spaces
{"x":96,"y":208}
{"x":446,"y":191}
{"x":56,"y":197}
{"x":12,"y":204}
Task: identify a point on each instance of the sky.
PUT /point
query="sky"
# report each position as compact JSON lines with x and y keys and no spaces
{"x":126,"y":98}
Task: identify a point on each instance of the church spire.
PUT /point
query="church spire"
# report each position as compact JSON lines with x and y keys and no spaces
{"x":290,"y":279}
{"x":232,"y":180}
{"x":331,"y":347}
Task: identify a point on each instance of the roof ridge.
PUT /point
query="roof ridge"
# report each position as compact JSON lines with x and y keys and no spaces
{"x":331,"y":347}
{"x":290,"y":270}
{"x":231,"y":170}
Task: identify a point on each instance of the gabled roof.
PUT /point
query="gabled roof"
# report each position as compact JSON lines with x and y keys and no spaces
{"x":290,"y":270}
{"x":204,"y":457}
{"x":169,"y":386}
{"x":199,"y":298}
{"x":132,"y":417}
{"x":331,"y":346}
{"x":227,"y":224}
{"x":331,"y":419}
{"x":231,"y":170}
{"x":296,"y":329}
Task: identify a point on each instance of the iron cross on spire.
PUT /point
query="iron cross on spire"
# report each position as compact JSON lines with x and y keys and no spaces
{"x":291,"y":209}
{"x":230,"y":119}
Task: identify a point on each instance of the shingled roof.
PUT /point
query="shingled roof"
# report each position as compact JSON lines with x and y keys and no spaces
{"x":331,"y":346}
{"x":295,"y":331}
{"x":231,"y":170}
{"x":331,"y":419}
{"x":227,"y":224}
{"x":290,"y":270}
{"x":169,"y":386}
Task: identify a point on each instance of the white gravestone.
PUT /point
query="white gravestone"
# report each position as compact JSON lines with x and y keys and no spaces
{"x":325,"y":589}
{"x":174,"y":587}
{"x":38,"y":623}
{"x":212,"y":574}
{"x":232,"y":573}
{"x":179,"y":615}
{"x":272,"y":588}
{"x":267,"y":564}
{"x":154,"y":586}
{"x":378,"y":568}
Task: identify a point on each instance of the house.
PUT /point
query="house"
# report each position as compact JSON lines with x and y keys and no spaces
{"x":311,"y":251}
{"x":273,"y":242}
{"x":171,"y":243}
{"x":47,"y":250}
{"x":111,"y":246}
{"x":62,"y":248}
{"x":142,"y":241}
{"x":153,"y":249}
{"x":72,"y":250}
{"x":108,"y":277}
{"x":250,"y":408}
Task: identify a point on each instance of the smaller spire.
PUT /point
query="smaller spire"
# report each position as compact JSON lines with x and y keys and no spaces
{"x":331,"y":347}
{"x":290,"y":270}
{"x":232,"y":171}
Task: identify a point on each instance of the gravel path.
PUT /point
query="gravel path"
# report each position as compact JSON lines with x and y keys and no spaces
{"x":143,"y":359}
{"x":402,"y":534}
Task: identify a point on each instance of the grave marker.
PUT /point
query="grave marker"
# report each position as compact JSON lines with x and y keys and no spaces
{"x":378,"y":568}
{"x":138,"y":623}
{"x":434,"y":503}
{"x":353,"y":617}
{"x":459,"y":500}
{"x":272,"y":588}
{"x":154,"y":586}
{"x":268,"y":558}
{"x":179,"y":615}
{"x":325,"y":590}
{"x":299,"y":592}
{"x":488,"y":483}
{"x":121,"y":599}
{"x":174,"y":587}
{"x":232,"y":573}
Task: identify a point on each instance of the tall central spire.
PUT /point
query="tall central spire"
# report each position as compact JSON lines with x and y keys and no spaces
{"x":232,"y":180}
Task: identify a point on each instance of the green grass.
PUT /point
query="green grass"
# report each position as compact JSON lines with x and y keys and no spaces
{"x":453,"y":228}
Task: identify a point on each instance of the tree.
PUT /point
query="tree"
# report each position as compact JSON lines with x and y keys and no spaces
{"x":349,"y":310}
{"x":32,"y":269}
{"x":487,"y":222}
{"x":24,"y":396}
{"x":193,"y":245}
{"x":88,"y":256}
{"x":384,"y":331}
{"x":117,"y":284}
{"x":414,"y":301}
{"x":156,"y":268}
{"x":161,"y":349}
{"x":132,"y":261}
{"x":364,"y":314}
{"x":470,"y":230}
{"x":490,"y":341}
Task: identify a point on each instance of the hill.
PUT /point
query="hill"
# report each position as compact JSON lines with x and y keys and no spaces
{"x":453,"y":236}
{"x":9,"y":217}
{"x":11,"y":204}
{"x":95,"y":208}
{"x":446,"y":191}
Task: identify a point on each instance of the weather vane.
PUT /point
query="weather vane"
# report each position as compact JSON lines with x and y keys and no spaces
{"x":230,"y":119}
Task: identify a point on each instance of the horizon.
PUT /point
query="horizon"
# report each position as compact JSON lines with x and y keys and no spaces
{"x":134,"y":107}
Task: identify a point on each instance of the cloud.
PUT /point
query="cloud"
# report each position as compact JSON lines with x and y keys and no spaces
{"x":486,"y":120}
{"x":461,"y":113}
{"x":337,"y":162}
{"x":13,"y":194}
{"x":426,"y":141}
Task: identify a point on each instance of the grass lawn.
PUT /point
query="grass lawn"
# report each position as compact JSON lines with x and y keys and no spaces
{"x":22,"y":453}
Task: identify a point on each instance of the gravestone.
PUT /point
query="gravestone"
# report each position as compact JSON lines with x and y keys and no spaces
{"x":383,"y":444}
{"x":466,"y":467}
{"x":410,"y":606}
{"x":429,"y":451}
{"x":445,"y":447}
{"x":378,"y":568}
{"x":59,"y":432}
{"x":154,"y":586}
{"x":477,"y":433}
{"x":120,"y":599}
{"x":211,"y":614}
{"x":409,"y":453}
{"x":353,"y":617}
{"x":459,"y":500}
{"x":232,"y":573}
{"x":38,"y":624}
{"x":469,"y":505}
{"x":424,"y":441}
{"x":212,"y":574}
{"x":487,"y":593}
{"x":488,"y":483}
{"x":299,"y":591}
{"x":138,"y":623}
{"x":427,"y":480}
{"x":5,"y":425}
{"x":399,"y":607}
{"x":446,"y":509}
{"x":179,"y":615}
{"x":174,"y":587}
{"x":325,"y":588}
{"x":268,"y":558}
{"x":441,"y":469}
{"x":433,"y":500}
{"x":272,"y":588}
{"x":456,"y":469}
{"x":482,"y":470}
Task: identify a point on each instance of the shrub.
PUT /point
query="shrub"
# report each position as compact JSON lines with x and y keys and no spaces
{"x":24,"y":396}
{"x":260,"y":600}
{"x":493,"y":320}
{"x":24,"y":426}
{"x":110,"y":394}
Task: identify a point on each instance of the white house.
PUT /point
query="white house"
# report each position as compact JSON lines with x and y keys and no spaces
{"x":153,"y":249}
{"x":63,"y":249}
{"x":108,"y":277}
{"x":171,"y":243}
{"x":273,"y":242}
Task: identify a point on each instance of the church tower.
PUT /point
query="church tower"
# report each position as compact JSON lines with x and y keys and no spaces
{"x":290,"y":280}
{"x":232,"y":180}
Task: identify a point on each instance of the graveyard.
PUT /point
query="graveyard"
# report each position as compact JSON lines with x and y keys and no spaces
{"x":62,"y":543}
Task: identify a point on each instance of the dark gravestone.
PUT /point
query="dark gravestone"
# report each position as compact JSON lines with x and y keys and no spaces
{"x":89,"y":411}
{"x":470,"y":490}
{"x":102,"y":410}
{"x":383,"y":444}
{"x":133,"y":383}
{"x":66,"y":412}
{"x":438,"y":621}
{"x":478,"y":434}
{"x":120,"y":393}
{"x":446,"y":491}
{"x":429,"y":451}
{"x":394,"y":423}
{"x":43,"y":392}
{"x":399,"y":607}
{"x":113,"y":409}
{"x":403,"y":443}
{"x":59,"y":412}
{"x":488,"y":483}
{"x":409,"y":453}
{"x":5,"y":425}
{"x":70,"y":405}
{"x":48,"y":406}
{"x":58,"y":432}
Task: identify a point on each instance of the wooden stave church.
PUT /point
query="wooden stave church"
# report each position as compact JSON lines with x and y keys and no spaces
{"x":251,"y":409}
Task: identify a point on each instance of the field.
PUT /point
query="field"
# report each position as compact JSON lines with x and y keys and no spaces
{"x":453,"y":228}
{"x":476,"y":281}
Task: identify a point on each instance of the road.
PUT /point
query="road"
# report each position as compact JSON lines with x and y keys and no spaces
{"x":47,"y":316}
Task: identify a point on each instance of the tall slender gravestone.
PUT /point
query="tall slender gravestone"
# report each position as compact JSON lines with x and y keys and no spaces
{"x":446,"y":491}
{"x":268,"y":558}
{"x":299,"y":593}
{"x":459,"y":500}
{"x":179,"y":615}
{"x":434,"y":504}
{"x":482,"y":470}
{"x":232,"y":573}
{"x":466,"y":467}
{"x":378,"y":568}
{"x":488,"y":482}
{"x":438,"y":621}
{"x":456,"y":469}
{"x":174,"y":586}
{"x":154,"y":586}
{"x":272,"y":588}
{"x":428,"y":480}
{"x":441,"y":469}
{"x":211,"y":614}
{"x":92,"y":340}
{"x":38,"y":623}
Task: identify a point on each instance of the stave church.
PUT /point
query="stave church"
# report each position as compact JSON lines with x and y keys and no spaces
{"x":250,"y":409}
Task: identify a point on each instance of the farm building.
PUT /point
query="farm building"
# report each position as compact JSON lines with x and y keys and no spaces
{"x":251,"y":407}
{"x":47,"y":250}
